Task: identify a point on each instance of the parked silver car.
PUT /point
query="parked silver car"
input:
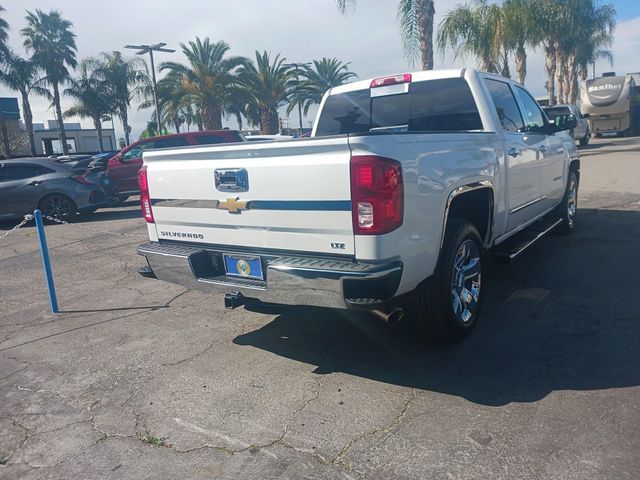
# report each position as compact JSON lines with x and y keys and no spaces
{"x":54,"y":187}
{"x":581,"y":132}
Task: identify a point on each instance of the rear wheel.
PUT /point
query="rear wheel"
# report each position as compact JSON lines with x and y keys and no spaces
{"x":120,"y":199}
{"x":58,"y":206}
{"x":447,"y":305}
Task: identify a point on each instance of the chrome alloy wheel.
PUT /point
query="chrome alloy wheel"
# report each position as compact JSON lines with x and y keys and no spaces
{"x":57,"y":206}
{"x":465,"y":281}
{"x":572,"y":201}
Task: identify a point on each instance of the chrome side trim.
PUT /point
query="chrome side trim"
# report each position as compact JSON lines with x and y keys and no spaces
{"x":459,"y":191}
{"x":528,"y":204}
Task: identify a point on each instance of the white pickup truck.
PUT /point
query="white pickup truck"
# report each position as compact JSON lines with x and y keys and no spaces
{"x":390,"y":206}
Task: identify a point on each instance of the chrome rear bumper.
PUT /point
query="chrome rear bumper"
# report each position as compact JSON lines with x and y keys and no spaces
{"x":289,"y":280}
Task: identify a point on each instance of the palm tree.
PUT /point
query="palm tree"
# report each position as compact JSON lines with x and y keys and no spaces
{"x":519,"y":32}
{"x":53,"y":43}
{"x":209,"y":80}
{"x":415,"y":18}
{"x":317,"y":79}
{"x":125,"y":78}
{"x":267,"y":86}
{"x":91,"y":99}
{"x":175,"y":107}
{"x":22,"y":75}
{"x":474,"y":29}
{"x":4,"y":26}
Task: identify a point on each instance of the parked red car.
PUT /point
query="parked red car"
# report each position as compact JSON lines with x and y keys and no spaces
{"x":122,"y":168}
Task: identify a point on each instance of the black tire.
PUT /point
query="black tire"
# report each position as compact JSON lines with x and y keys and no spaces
{"x":564,"y":211}
{"x":120,"y":199}
{"x":58,"y":206}
{"x":584,"y":141}
{"x":431,"y":305}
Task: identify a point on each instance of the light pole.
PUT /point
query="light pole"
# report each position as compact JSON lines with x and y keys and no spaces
{"x":143,"y":49}
{"x":297,"y":65}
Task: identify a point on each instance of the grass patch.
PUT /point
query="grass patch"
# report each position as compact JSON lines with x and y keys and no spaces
{"x":153,"y":440}
{"x":100,"y":439}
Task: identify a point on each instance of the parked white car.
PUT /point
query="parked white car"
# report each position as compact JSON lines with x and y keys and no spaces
{"x":407,"y":183}
{"x":581,"y":132}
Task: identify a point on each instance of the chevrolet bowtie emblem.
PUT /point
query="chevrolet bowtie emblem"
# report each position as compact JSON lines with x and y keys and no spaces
{"x":234,"y":205}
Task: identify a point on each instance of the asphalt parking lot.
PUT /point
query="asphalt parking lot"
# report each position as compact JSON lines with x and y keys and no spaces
{"x":138,"y":379}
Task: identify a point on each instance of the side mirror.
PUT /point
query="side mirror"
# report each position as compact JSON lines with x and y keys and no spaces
{"x":586,"y":115}
{"x":566,"y":122}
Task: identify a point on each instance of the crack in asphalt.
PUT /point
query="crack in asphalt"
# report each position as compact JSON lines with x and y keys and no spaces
{"x":192,"y":357}
{"x":339,"y":458}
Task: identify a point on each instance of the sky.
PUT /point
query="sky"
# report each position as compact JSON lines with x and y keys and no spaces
{"x":301,"y":31}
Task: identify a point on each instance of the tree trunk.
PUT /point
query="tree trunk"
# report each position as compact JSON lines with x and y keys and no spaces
{"x":550,"y":67}
{"x":560,"y":69}
{"x":582,"y":72}
{"x":212,"y":117}
{"x":269,"y":122}
{"x":505,"y":66}
{"x":521,"y":64}
{"x":5,"y":139}
{"x":59,"y":122}
{"x":124,"y":116}
{"x":28,"y":122}
{"x":177,"y":125}
{"x":98,"y":125}
{"x":486,"y":64}
{"x":572,"y":78}
{"x":426,"y":12}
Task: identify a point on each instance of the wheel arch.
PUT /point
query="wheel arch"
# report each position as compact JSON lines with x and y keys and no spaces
{"x":474,"y":203}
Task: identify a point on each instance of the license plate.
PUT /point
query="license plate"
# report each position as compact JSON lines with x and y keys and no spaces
{"x":243,"y":266}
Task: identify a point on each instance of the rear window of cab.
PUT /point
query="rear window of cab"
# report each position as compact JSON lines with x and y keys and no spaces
{"x":442,"y":105}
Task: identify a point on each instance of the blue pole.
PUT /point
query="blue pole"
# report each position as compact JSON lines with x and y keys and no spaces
{"x":44,"y":254}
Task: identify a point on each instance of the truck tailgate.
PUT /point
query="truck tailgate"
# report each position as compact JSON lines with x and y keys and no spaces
{"x":291,"y":195}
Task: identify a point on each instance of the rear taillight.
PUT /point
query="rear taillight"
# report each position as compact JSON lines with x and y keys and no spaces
{"x":377,"y":194}
{"x":82,"y":179}
{"x":145,"y":199}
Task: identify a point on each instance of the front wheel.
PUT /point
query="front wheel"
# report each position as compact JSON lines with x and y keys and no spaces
{"x":584,"y":141}
{"x":568,"y":208}
{"x":447,"y":305}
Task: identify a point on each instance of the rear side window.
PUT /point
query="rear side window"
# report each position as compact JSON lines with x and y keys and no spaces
{"x":506,"y":106}
{"x":208,"y":139}
{"x":21,"y":172}
{"x":444,"y":105}
{"x":171,"y":142}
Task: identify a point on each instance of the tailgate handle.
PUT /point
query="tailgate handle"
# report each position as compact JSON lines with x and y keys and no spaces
{"x":232,"y":179}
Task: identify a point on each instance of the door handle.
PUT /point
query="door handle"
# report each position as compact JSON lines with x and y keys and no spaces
{"x":513,"y":152}
{"x":34,"y":183}
{"x":543,"y":149}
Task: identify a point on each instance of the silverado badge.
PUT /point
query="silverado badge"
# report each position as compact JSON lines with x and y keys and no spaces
{"x":234,"y":205}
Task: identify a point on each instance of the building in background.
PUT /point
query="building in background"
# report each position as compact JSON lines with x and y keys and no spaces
{"x":15,"y":142}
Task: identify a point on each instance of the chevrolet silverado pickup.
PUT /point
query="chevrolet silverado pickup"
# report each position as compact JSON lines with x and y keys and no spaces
{"x":406,"y":185}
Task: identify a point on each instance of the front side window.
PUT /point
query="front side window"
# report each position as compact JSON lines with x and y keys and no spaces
{"x":533,"y":118}
{"x":506,"y":105}
{"x":136,"y":151}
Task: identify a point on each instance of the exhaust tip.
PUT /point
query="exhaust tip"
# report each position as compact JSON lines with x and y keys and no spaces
{"x":393,"y":316}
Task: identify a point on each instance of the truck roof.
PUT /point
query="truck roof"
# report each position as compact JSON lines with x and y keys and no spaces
{"x":419,"y":75}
